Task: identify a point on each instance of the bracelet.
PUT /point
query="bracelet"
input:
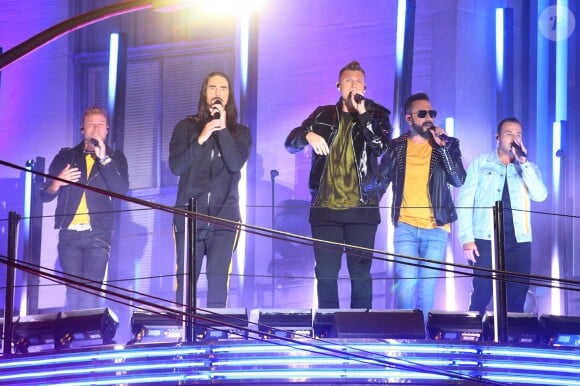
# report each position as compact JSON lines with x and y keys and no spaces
{"x":105,"y":160}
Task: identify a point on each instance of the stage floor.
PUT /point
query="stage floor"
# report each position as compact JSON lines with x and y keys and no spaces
{"x":284,"y":360}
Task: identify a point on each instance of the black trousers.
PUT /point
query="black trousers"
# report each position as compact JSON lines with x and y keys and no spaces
{"x":217,"y":246}
{"x":328,"y":262}
{"x":517,"y":259}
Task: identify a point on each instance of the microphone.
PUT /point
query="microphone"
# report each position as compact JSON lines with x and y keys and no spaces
{"x":444,"y":137}
{"x":94,"y":142}
{"x":519,"y":151}
{"x":217,"y":114}
{"x":358,"y":98}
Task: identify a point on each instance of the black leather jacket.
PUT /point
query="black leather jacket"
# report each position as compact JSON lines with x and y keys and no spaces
{"x":112,"y":177}
{"x":370,"y":136}
{"x":445,"y":168}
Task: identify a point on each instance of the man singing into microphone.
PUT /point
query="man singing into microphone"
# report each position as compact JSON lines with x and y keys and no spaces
{"x":86,"y":218}
{"x":508,"y":176}
{"x":346,"y":140}
{"x":420,"y":165}
{"x":207,"y":151}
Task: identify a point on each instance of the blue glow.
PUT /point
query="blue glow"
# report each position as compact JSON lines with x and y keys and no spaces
{"x":556,"y":145}
{"x":113,"y":69}
{"x":400,"y":43}
{"x":561,"y":103}
{"x":499,"y":47}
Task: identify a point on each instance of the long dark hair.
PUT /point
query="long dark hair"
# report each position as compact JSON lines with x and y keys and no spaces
{"x":230,"y":107}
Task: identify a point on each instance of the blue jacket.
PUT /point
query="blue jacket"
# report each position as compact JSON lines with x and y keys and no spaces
{"x":484,"y":186}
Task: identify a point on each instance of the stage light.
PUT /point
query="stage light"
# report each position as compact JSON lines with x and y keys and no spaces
{"x":60,"y":330}
{"x":560,"y":330}
{"x":458,"y":326}
{"x":222,"y":323}
{"x":522,"y":328}
{"x":378,"y":324}
{"x":96,"y":324}
{"x":156,"y":326}
{"x":285,"y":323}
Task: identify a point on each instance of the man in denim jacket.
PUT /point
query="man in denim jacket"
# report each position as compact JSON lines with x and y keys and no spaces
{"x":503,"y":175}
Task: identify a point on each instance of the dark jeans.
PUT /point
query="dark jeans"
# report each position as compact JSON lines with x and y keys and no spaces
{"x":328,"y":262}
{"x":85,"y":256}
{"x":218,"y":247}
{"x":517,"y":259}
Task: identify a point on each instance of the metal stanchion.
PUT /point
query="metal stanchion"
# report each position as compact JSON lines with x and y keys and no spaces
{"x":191,"y":294}
{"x":13,"y":220}
{"x":500,"y":307}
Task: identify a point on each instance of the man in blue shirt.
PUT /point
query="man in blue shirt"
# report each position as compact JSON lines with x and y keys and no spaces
{"x":504,"y":175}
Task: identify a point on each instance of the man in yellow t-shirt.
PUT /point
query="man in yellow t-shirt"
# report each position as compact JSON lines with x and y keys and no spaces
{"x":421,"y":164}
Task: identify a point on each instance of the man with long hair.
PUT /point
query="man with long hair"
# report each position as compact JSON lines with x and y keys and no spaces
{"x":207,"y":151}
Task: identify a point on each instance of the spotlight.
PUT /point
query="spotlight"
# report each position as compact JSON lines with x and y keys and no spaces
{"x":222,"y":323}
{"x":459,"y":326}
{"x":63,"y":328}
{"x":285,"y":323}
{"x":560,"y":330}
{"x":522,"y":328}
{"x":156,"y":326}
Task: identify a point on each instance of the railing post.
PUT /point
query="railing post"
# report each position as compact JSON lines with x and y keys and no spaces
{"x":191,"y":293}
{"x":499,"y":302}
{"x":13,"y":220}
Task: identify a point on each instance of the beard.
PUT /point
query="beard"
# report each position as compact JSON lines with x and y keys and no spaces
{"x":423,"y":130}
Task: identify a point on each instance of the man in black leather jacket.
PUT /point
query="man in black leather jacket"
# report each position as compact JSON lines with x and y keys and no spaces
{"x":421,"y":165}
{"x":207,"y":151}
{"x":346,"y":140}
{"x":86,"y":218}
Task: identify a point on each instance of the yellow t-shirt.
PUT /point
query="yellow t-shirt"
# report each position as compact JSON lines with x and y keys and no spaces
{"x":82,"y":214}
{"x":416,"y":207}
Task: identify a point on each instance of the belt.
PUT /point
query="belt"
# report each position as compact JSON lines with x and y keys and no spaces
{"x":79,"y":227}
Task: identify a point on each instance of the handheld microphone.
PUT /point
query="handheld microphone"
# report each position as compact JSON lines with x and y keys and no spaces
{"x":94,"y":142}
{"x":217,"y":114}
{"x":358,"y":98}
{"x":519,"y":151}
{"x":444,"y":137}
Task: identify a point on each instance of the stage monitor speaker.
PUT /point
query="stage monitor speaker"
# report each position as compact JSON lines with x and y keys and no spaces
{"x":457,"y":326}
{"x":285,"y":323}
{"x":222,"y":323}
{"x":324,"y":320}
{"x":159,"y":327}
{"x":65,"y":329}
{"x":522,"y":328}
{"x":384,"y":324}
{"x":558,"y":330}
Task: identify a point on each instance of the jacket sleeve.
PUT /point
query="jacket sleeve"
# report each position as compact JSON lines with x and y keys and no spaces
{"x":466,"y":203}
{"x":385,"y":170}
{"x":234,"y":151}
{"x":450,"y":156}
{"x":58,"y":163}
{"x":116,"y":173}
{"x":533,"y":180}
{"x":296,"y":140}
{"x":377,"y":129}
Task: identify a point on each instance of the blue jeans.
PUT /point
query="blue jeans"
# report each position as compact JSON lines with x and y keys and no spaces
{"x":415,"y":281}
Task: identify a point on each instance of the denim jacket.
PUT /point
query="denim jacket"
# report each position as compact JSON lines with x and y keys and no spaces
{"x":484,"y":186}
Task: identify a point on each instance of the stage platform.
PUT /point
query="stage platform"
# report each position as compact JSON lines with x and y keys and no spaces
{"x":308,"y":361}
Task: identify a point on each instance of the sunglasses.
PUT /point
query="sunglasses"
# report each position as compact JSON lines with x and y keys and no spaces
{"x":423,"y":113}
